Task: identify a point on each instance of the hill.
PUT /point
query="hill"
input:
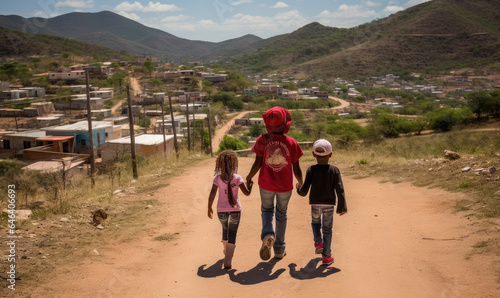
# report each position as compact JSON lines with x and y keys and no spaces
{"x":436,"y":35}
{"x":115,"y":31}
{"x":21,"y":44}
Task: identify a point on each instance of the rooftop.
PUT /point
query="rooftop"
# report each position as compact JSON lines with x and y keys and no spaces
{"x":29,"y":134}
{"x":144,"y":139}
{"x":80,"y":126}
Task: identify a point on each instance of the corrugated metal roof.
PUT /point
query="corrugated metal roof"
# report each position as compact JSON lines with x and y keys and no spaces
{"x":29,"y":134}
{"x":80,"y":126}
{"x":144,"y":139}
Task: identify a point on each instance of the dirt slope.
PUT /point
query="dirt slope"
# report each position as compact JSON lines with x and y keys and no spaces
{"x":396,"y":241}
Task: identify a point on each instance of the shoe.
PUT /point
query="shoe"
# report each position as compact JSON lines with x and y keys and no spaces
{"x":327,"y":261}
{"x":229,"y":255}
{"x":319,"y":247}
{"x":265,"y":249}
{"x":280,"y":256}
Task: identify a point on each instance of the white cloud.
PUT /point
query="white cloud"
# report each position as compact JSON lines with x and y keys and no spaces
{"x":177,"y":18}
{"x":393,"y":9}
{"x":159,"y":7}
{"x":45,"y":14}
{"x":415,"y":2}
{"x":236,"y":3}
{"x":280,"y":5}
{"x":126,"y":6}
{"x":292,"y":14}
{"x":131,"y":16}
{"x":76,"y":3}
{"x":348,"y":11}
{"x":151,"y":7}
{"x":371,"y":4}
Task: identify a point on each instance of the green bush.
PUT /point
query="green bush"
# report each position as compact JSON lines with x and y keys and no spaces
{"x":230,"y":143}
{"x":8,"y":167}
{"x":445,"y":119}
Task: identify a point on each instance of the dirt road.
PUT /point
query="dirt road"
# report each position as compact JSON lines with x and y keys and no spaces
{"x":396,"y":241}
{"x":220,"y":132}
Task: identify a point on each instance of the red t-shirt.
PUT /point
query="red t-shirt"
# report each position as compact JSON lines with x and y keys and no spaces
{"x":278,"y":153}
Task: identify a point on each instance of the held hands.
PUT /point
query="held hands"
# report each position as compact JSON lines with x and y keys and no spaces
{"x":210,"y":212}
{"x":249,"y":185}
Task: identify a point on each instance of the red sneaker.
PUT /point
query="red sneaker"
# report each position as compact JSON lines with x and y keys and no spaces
{"x":327,"y":261}
{"x":319,"y":247}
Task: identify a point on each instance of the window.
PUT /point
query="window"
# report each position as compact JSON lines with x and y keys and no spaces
{"x":84,"y":143}
{"x":6,"y":144}
{"x":26,"y":144}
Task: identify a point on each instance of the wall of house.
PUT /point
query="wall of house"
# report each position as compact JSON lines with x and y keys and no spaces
{"x":48,"y":155}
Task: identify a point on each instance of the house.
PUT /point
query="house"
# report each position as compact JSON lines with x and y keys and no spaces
{"x":251,"y":91}
{"x":191,"y":106}
{"x":145,"y":144}
{"x":323,"y":95}
{"x":102,"y":131}
{"x":34,"y":91}
{"x":22,"y":140}
{"x":212,"y":77}
{"x":81,"y":101}
{"x":50,"y":120}
{"x":168,"y":126}
{"x":65,"y":74}
{"x":102,"y":93}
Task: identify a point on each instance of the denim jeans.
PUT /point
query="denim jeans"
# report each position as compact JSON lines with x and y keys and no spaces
{"x":230,"y":222}
{"x":324,"y":225}
{"x":267,"y":208}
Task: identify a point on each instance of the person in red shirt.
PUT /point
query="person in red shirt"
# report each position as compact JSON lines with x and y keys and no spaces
{"x":277,"y":158}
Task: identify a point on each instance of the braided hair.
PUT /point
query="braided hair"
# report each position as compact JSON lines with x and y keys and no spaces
{"x":226,"y":165}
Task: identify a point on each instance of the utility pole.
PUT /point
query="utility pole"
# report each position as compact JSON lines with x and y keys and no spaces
{"x":194,"y":126}
{"x":163,"y":126}
{"x":132,"y":136}
{"x":91,"y":136}
{"x":173,"y":127}
{"x":209,"y":132}
{"x":187,"y":120}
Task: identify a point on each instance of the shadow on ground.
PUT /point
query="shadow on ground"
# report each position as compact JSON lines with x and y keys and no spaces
{"x":312,"y":270}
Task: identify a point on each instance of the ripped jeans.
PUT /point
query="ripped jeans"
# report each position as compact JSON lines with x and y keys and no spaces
{"x":230,"y":222}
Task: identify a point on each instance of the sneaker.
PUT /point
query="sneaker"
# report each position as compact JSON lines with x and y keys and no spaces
{"x":265,"y":249}
{"x":280,"y":256}
{"x":327,"y":261}
{"x":319,"y":247}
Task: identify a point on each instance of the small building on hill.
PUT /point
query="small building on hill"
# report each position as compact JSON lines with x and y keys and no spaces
{"x":145,"y":144}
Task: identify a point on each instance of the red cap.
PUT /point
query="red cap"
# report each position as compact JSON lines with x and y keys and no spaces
{"x":277,"y":120}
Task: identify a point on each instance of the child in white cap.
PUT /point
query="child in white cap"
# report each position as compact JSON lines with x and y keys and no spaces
{"x":325,"y":182}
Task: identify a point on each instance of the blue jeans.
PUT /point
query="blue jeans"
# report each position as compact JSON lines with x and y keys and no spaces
{"x":326,"y":226}
{"x":230,"y":222}
{"x":267,"y":208}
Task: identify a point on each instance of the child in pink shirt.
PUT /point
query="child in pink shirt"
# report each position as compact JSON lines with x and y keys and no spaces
{"x":228,"y":204}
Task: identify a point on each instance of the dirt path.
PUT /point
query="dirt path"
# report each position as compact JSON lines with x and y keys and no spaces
{"x":396,"y":241}
{"x":220,"y":132}
{"x":136,"y":87}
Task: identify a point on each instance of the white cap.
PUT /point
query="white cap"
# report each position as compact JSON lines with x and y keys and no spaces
{"x":322,"y":147}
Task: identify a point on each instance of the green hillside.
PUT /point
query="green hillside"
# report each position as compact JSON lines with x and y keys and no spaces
{"x":436,"y":35}
{"x":20,"y":44}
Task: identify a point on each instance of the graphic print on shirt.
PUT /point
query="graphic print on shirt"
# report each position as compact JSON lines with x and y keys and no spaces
{"x":276,"y":153}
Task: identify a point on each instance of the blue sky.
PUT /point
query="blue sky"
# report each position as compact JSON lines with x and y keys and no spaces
{"x":218,"y":20}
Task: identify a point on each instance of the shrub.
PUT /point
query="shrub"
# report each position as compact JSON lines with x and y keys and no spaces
{"x":230,"y":143}
{"x":445,"y":118}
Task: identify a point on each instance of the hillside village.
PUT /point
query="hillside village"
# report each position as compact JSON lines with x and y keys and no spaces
{"x":49,"y":129}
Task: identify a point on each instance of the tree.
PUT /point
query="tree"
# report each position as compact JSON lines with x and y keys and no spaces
{"x":445,"y":118}
{"x":148,"y":67}
{"x":479,"y":102}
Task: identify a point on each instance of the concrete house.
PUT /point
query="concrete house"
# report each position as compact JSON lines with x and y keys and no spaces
{"x":22,"y":140}
{"x":34,"y":91}
{"x":102,"y":131}
{"x":145,"y":144}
